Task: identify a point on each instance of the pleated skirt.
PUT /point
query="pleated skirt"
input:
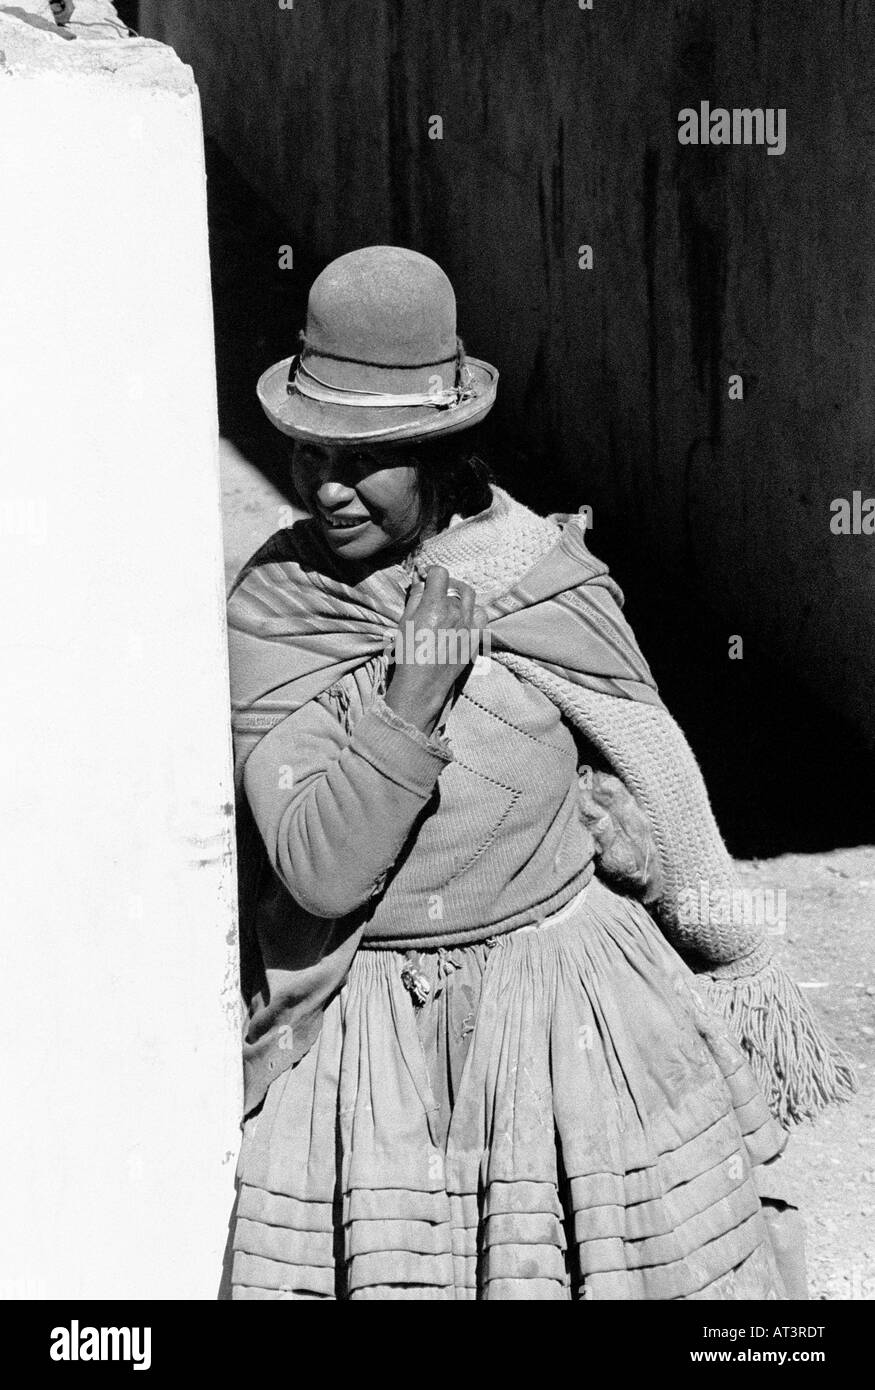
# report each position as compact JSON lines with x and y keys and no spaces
{"x":564,"y":1118}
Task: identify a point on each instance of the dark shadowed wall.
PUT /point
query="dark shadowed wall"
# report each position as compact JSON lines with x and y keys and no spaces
{"x":560,"y":128}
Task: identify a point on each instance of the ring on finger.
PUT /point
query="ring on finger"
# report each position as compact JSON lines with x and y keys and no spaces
{"x":453,"y":593}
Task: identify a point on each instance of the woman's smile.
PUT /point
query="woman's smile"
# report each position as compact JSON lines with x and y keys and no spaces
{"x":335,"y":522}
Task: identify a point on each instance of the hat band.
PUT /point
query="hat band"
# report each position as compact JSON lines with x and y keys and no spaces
{"x":302,"y":379}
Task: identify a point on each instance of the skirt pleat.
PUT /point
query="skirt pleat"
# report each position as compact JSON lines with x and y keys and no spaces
{"x":595,"y":1133}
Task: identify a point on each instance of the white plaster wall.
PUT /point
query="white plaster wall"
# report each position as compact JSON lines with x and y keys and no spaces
{"x":120,"y":1028}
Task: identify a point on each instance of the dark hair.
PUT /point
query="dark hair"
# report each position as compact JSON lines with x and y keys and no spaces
{"x":451,"y":478}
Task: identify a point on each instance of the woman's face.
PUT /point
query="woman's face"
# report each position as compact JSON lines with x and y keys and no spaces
{"x":365,"y":500}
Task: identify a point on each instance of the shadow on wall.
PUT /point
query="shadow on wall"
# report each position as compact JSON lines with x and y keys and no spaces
{"x":784,"y":772}
{"x":128,"y":12}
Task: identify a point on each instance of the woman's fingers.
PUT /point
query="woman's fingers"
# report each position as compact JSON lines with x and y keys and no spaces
{"x":414,"y":598}
{"x":448,"y":599}
{"x":446,"y":605}
{"x":436,"y":581}
{"x":463,"y":595}
{"x":463,"y":614}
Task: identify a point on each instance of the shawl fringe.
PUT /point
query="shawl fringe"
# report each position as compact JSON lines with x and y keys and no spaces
{"x":337,"y":695}
{"x":799,"y":1068}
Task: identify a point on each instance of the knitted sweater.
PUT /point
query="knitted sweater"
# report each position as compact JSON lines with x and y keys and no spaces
{"x":491,"y":800}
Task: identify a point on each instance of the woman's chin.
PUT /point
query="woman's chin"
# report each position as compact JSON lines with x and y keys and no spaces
{"x":366,"y":543}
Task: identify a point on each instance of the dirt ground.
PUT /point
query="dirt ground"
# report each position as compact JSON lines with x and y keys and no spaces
{"x":830,"y":1166}
{"x":826,"y":943}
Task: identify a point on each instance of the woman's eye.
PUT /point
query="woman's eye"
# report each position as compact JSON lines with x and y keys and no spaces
{"x":306,"y":467}
{"x":362,"y":463}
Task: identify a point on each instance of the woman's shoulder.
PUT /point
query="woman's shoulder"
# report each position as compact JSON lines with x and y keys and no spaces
{"x":294,"y":544}
{"x":527,"y":532}
{"x":494,"y":548}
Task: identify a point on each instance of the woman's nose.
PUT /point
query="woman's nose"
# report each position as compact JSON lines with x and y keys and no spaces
{"x":333,"y":493}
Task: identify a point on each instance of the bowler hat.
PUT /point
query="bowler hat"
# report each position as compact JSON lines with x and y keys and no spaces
{"x":379,"y":357}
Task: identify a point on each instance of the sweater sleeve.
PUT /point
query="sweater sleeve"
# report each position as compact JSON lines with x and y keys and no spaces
{"x":334,"y":809}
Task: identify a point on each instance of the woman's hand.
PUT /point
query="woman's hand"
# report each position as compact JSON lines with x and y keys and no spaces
{"x":439,"y":637}
{"x":626,"y":852}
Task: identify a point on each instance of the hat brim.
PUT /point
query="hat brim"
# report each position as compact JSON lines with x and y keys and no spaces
{"x":303,"y":418}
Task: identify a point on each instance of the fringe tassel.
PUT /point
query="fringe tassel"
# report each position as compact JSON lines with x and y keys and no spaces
{"x":799,"y":1069}
{"x":339,"y":695}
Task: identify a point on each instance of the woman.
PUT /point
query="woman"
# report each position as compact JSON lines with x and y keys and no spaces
{"x":473,"y":1068}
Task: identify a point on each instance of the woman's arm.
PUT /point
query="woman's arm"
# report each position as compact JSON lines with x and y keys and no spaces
{"x":626,"y":851}
{"x":336,"y":810}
